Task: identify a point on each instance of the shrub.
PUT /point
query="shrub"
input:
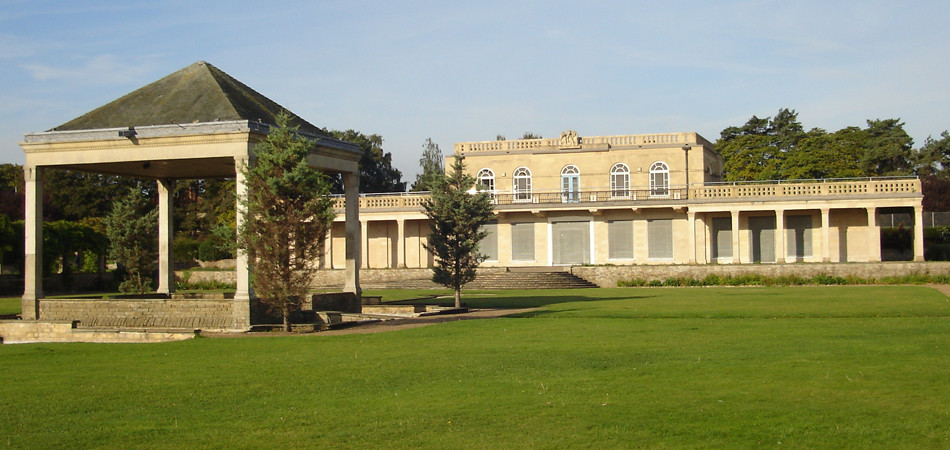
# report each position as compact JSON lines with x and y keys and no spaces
{"x":212,"y":250}
{"x":185,"y":248}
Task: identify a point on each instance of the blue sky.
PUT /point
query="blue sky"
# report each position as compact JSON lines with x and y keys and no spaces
{"x":467,"y":71}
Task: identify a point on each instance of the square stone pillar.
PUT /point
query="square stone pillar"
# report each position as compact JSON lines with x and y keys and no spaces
{"x":874,"y":236}
{"x":825,"y":235}
{"x":735,"y":237}
{"x":780,"y":237}
{"x":691,"y":226}
{"x":33,"y":244}
{"x":241,"y":308}
{"x":364,"y":244}
{"x":918,"y":233}
{"x":401,"y":243}
{"x":166,"y":271}
{"x":351,"y":190}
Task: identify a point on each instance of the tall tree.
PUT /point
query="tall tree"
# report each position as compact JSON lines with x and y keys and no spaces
{"x":133,"y":232}
{"x":889,"y":149}
{"x":457,"y":215}
{"x":11,"y":191}
{"x":78,"y":194}
{"x":827,"y":155}
{"x":290,"y":212}
{"x":377,"y":173}
{"x":934,"y":156}
{"x":757,"y":149}
{"x":433,"y":167}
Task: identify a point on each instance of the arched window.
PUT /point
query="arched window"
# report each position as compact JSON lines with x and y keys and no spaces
{"x":521,"y":184}
{"x":659,"y":179}
{"x":620,"y":180}
{"x":486,"y":180}
{"x":570,"y":184}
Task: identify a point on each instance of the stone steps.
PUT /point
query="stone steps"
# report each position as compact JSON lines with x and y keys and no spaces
{"x":556,"y":279}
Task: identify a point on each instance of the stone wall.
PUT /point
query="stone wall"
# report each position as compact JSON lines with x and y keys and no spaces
{"x":191,"y":313}
{"x":607,"y":276}
{"x":29,"y":331}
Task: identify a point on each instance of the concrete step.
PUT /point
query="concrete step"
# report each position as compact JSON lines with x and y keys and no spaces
{"x":524,"y":278}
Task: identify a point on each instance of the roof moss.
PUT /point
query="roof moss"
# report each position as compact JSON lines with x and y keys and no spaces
{"x":198,"y":93}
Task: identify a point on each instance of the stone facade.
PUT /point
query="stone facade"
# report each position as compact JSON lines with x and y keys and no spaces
{"x":639,"y":200}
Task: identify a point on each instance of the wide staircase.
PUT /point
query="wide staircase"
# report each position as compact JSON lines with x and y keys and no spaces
{"x":499,"y":278}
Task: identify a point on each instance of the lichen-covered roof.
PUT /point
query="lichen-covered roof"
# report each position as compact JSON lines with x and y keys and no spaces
{"x":198,"y":93}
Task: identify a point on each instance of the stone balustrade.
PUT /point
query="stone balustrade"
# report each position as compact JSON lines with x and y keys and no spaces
{"x":722,"y":191}
{"x":817,"y":188}
{"x":671,"y":139}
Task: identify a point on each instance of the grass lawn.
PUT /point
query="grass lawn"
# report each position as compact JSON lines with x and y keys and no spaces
{"x":9,"y":305}
{"x":724,"y":367}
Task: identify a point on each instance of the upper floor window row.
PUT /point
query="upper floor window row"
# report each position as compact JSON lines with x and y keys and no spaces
{"x":619,"y":181}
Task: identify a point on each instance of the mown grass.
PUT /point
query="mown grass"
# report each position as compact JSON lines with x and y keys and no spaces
{"x":722,"y":367}
{"x":9,"y":305}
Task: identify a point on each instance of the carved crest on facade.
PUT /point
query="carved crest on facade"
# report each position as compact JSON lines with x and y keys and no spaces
{"x":569,"y":139}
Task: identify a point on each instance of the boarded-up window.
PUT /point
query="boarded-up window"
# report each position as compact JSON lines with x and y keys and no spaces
{"x":570,"y":242}
{"x":722,"y":238}
{"x":620,"y":239}
{"x":522,"y":241}
{"x":489,"y":245}
{"x":660,"y":236}
{"x":763,"y":238}
{"x":798,"y":236}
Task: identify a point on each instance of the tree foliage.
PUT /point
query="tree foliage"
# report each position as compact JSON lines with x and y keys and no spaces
{"x":79,"y":194}
{"x":377,"y":173}
{"x":757,"y":149}
{"x":132,"y":227}
{"x":432,"y":165}
{"x":289,"y":214}
{"x":934,"y":156}
{"x":457,"y":214}
{"x":777,"y":148}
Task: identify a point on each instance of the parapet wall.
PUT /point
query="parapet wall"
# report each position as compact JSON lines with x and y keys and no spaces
{"x":608,"y":276}
{"x":204,"y":313}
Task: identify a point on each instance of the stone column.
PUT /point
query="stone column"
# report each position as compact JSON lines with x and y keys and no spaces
{"x":691,"y":225}
{"x":874,"y":236}
{"x":825,"y":234}
{"x":364,"y":244}
{"x":401,"y":243}
{"x":241,"y":313}
{"x":351,"y":189}
{"x":918,"y":233}
{"x":735,"y":237}
{"x":166,"y":272}
{"x":33,"y":244}
{"x":781,"y":243}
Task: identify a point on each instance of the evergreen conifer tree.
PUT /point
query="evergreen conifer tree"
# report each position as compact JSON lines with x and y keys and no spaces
{"x":289,"y":214}
{"x":457,"y":214}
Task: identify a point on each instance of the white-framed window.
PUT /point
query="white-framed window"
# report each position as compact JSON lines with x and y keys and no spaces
{"x":620,"y":180}
{"x":659,"y":179}
{"x":570,"y":184}
{"x":486,"y":180}
{"x":521,"y":184}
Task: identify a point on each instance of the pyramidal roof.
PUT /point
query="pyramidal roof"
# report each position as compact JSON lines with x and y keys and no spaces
{"x":198,"y":93}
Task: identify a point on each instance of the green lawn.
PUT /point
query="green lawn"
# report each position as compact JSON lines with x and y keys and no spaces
{"x":723,"y":367}
{"x":9,"y":305}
